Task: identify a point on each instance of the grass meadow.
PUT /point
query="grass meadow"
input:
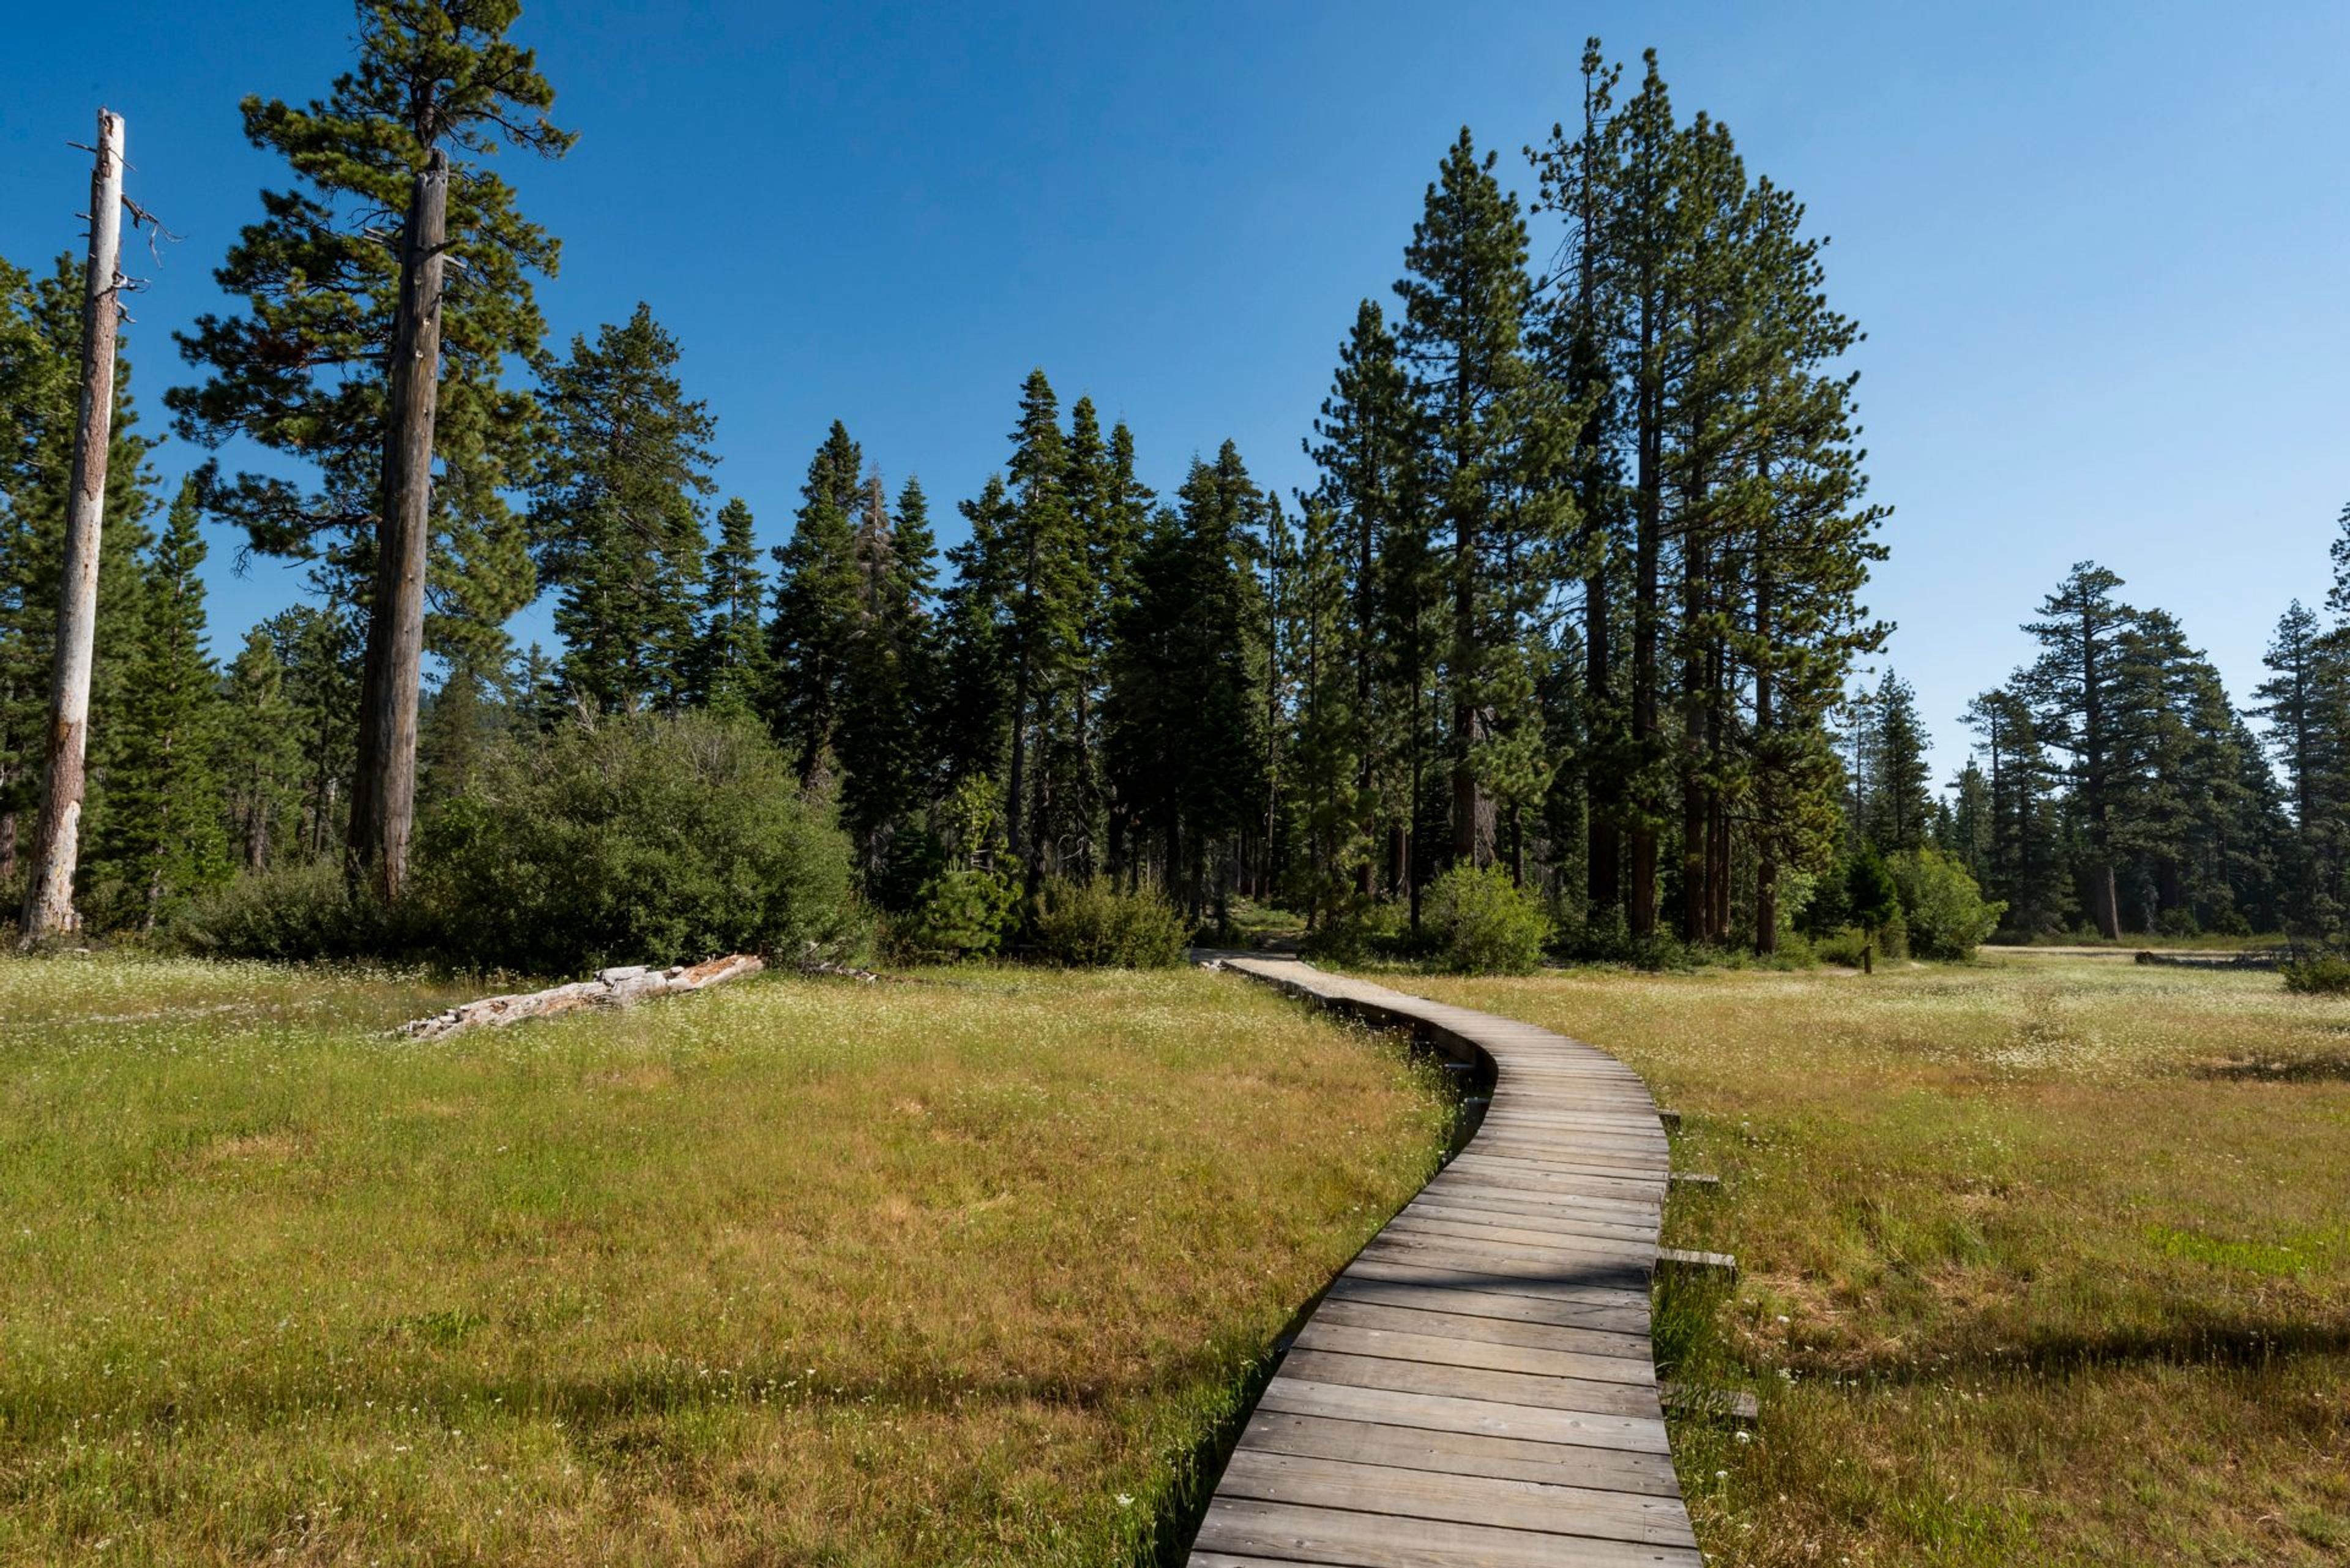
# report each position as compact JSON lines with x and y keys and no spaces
{"x":2043,"y":1259}
{"x":795,"y":1271}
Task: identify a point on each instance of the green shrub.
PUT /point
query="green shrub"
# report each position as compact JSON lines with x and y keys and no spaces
{"x":1099,"y":925}
{"x":1872,"y":898}
{"x":1607,"y":939}
{"x":1847,"y":945}
{"x":962,"y":912}
{"x":287,"y":912}
{"x":649,"y":839}
{"x":1486,"y":924}
{"x":2178,"y":922}
{"x":1356,"y":927}
{"x":1842,"y":946}
{"x":1946,"y":914}
{"x":2326,"y":974}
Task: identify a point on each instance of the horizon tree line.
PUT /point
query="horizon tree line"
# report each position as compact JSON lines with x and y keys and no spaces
{"x":1575,"y":593}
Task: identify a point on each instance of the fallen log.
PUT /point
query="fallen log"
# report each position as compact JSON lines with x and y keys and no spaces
{"x":621,"y":987}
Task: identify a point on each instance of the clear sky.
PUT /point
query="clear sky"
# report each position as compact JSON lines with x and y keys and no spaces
{"x":2102,"y":252}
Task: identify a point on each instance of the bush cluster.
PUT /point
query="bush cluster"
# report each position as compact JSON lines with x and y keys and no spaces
{"x":1944,"y":913}
{"x":1096,"y":924}
{"x":2326,"y":974}
{"x":1485,"y":923}
{"x":286,"y":914}
{"x":962,"y":912}
{"x":651,"y":839}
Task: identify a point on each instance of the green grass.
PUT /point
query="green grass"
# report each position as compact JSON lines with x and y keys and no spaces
{"x":2043,"y":1259}
{"x":794,"y":1271}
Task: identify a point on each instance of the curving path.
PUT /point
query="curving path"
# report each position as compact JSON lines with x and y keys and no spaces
{"x":1476,"y":1386}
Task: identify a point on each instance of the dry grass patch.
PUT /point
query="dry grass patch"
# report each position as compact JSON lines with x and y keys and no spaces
{"x":2034,"y":1271}
{"x":794,"y":1271}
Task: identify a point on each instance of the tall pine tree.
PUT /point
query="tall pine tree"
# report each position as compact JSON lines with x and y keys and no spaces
{"x":616,"y":513}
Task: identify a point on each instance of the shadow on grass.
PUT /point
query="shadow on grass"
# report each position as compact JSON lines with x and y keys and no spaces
{"x":2235,"y":1346}
{"x":2330,"y":1068}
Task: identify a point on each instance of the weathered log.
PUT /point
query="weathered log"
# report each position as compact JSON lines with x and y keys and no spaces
{"x":611,"y":988}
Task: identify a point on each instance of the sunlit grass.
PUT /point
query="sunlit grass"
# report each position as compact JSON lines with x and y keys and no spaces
{"x":2043,"y":1259}
{"x":794,"y":1272}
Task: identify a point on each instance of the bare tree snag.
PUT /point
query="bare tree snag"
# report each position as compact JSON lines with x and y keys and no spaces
{"x":57,"y":834}
{"x":611,"y":988}
{"x":383,"y":794}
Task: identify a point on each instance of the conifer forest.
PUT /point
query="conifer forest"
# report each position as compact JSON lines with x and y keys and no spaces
{"x":1579,"y":597}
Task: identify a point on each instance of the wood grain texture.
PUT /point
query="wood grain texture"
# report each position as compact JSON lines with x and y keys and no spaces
{"x":1477,"y":1387}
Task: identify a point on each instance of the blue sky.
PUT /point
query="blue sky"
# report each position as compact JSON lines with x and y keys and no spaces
{"x":2099,"y":249}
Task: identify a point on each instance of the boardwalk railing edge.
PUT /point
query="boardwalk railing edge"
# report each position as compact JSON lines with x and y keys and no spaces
{"x":1478,"y":1386}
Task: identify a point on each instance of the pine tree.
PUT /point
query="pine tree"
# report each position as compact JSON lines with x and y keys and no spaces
{"x":1115,"y":543}
{"x":1579,"y":177}
{"x":318,"y":651}
{"x":162,"y":838}
{"x":300,"y":372}
{"x":1324,"y":755}
{"x":1812,"y":543}
{"x":1186,"y":742}
{"x":975,"y":720}
{"x":731,"y":672}
{"x":2027,"y":870}
{"x":616,"y":513}
{"x":1366,"y":444}
{"x":2154,"y":762}
{"x":1465,"y":295}
{"x":2072,"y":691}
{"x":1045,"y":618}
{"x":889,"y":684}
{"x":2306,"y":704}
{"x":260,"y":759}
{"x":818,"y":600}
{"x":1642,"y":233}
{"x":469,"y":712}
{"x":1969,"y":830}
{"x":1896,"y":811}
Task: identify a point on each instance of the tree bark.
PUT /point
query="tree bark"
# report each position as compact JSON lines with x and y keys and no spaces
{"x":1766,"y":859}
{"x":1466,"y":659}
{"x":1603,"y":840}
{"x":1640,"y":894}
{"x":57,"y":832}
{"x":383,"y":794}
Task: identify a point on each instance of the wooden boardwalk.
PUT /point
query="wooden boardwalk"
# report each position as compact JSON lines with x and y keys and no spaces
{"x":1476,"y":1387}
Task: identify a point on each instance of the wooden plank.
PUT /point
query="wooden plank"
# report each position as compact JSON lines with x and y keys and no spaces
{"x":1518,"y":1239}
{"x":1458,"y":1200}
{"x":1620,"y":1357}
{"x":1489,"y":1417}
{"x":1289,"y":1534}
{"x":1453,"y":1381}
{"x":1463,"y":1498}
{"x":1434,"y":1346}
{"x":1684,"y":1261}
{"x":1577,"y":1273}
{"x":1462,"y":1453}
{"x":1532,"y":1313}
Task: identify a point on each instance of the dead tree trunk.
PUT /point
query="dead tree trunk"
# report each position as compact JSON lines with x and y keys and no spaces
{"x":57,"y":834}
{"x":383,"y":794}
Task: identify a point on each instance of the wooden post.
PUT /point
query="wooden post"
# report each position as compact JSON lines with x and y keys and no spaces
{"x":56,"y":836}
{"x":383,"y":796}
